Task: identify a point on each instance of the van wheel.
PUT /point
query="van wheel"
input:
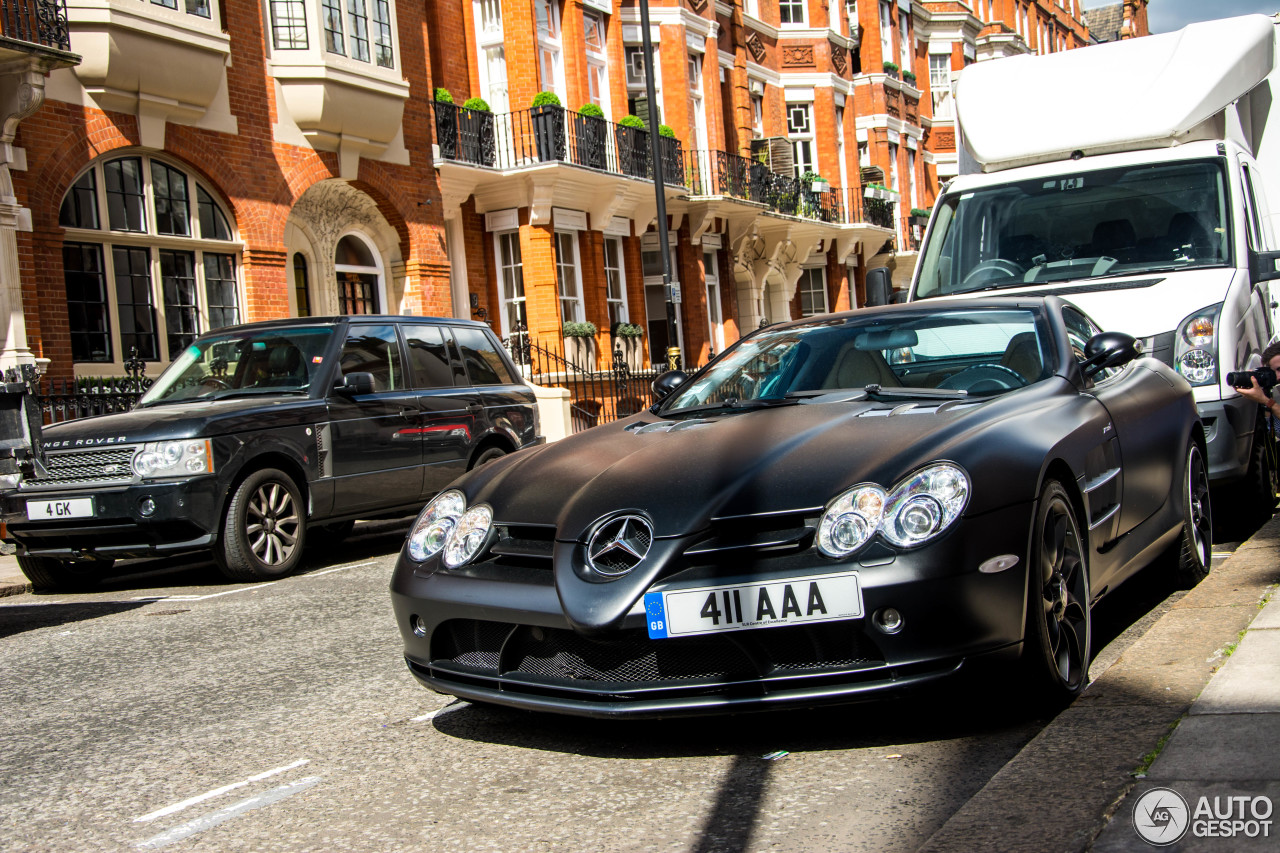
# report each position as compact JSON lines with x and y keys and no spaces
{"x":49,"y":574}
{"x":488,"y":455}
{"x":265,"y":528}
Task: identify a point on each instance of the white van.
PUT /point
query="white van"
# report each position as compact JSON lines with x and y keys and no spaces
{"x":1129,"y":178}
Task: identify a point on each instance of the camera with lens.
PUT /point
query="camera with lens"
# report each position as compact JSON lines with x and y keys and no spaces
{"x":1265,"y":375}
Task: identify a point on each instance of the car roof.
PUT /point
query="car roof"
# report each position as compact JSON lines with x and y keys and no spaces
{"x":932,"y":306}
{"x":377,"y":319}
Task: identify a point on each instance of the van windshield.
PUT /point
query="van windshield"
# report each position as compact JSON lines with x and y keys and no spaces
{"x":256,"y":361}
{"x":1106,"y":222}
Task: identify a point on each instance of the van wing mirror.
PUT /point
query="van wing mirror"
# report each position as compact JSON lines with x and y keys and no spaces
{"x":1264,"y":266}
{"x":355,"y":384}
{"x":1107,"y":350}
{"x":879,"y":286}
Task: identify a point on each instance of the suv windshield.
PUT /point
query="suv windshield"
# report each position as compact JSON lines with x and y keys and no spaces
{"x":947,"y":353}
{"x":255,"y":361}
{"x":1106,"y":222}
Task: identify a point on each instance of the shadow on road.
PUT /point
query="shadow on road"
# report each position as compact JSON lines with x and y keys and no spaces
{"x":15,"y":619}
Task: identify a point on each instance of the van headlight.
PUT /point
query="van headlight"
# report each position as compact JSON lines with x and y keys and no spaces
{"x":187,"y":458}
{"x":1196,"y":346}
{"x":915,"y":511}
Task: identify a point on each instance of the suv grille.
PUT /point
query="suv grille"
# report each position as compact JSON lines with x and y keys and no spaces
{"x":86,"y":467}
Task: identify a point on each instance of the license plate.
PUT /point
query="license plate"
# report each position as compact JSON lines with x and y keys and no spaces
{"x":65,"y":508}
{"x":735,"y":607}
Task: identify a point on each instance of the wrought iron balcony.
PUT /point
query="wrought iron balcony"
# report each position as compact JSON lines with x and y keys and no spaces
{"x":41,"y":22}
{"x":550,"y":134}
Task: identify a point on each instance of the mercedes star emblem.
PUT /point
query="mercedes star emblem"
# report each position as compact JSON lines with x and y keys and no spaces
{"x":619,"y":545}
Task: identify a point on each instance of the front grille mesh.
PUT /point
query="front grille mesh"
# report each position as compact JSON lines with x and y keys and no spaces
{"x":633,"y":658}
{"x":87,"y":467}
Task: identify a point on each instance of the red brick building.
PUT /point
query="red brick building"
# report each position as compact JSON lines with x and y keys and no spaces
{"x":207,"y":163}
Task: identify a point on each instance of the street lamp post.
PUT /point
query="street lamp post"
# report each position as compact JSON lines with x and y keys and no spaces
{"x":655,"y":149}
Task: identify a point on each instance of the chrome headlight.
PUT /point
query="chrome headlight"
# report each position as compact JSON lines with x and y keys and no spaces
{"x":469,"y":537}
{"x":918,"y":509}
{"x":435,"y":523}
{"x":925,"y":504}
{"x":851,"y":520}
{"x":1196,"y":346}
{"x":187,"y":458}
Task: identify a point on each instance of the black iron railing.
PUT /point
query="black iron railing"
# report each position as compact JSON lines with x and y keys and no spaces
{"x":551,"y":134}
{"x":596,"y":395}
{"x":86,"y":396}
{"x":720,"y":173}
{"x":42,"y":22}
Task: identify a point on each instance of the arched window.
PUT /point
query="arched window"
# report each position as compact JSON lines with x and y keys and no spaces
{"x":149,"y":259}
{"x":358,"y":274}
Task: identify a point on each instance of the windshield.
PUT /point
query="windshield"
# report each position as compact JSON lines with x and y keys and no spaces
{"x":962,"y":352}
{"x":257,"y":361}
{"x":1106,"y":222}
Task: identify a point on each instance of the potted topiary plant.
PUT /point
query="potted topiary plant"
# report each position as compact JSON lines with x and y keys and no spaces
{"x":446,"y":124}
{"x":816,"y":183}
{"x":475,"y":132}
{"x":633,"y":147}
{"x":919,"y":216}
{"x":891,"y":68}
{"x":590,"y":132}
{"x":909,"y":76}
{"x":627,"y":338}
{"x":547,"y":117}
{"x":580,"y":343}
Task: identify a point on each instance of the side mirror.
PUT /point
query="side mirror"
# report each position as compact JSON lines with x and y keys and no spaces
{"x":1107,"y":350}
{"x":668,"y":382}
{"x":355,"y":384}
{"x":1264,"y":266}
{"x":879,"y":286}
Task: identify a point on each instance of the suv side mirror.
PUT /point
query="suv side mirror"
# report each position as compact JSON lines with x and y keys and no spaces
{"x":668,"y":382}
{"x":355,"y":384}
{"x":879,"y":286}
{"x":1107,"y":350}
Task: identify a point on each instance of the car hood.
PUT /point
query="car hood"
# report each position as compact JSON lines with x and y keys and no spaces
{"x":684,"y":473}
{"x":182,"y":420}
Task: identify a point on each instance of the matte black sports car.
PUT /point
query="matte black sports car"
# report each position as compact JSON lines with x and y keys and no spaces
{"x":834,"y":506}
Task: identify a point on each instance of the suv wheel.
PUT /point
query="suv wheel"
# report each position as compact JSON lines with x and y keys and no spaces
{"x":488,"y":455}
{"x":265,"y":528}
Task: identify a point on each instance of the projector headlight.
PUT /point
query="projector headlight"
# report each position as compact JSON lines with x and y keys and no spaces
{"x":186,"y":458}
{"x":851,"y":520}
{"x":469,"y":537}
{"x":918,"y":509}
{"x":436,"y":521}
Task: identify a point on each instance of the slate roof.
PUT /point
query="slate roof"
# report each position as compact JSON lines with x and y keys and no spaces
{"x":1104,"y":22}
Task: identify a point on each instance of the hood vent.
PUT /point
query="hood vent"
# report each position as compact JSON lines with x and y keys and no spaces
{"x":666,"y":426}
{"x":915,"y":408}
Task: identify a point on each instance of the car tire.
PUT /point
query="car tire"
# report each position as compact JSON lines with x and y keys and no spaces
{"x":1192,"y":554}
{"x":265,"y":528}
{"x":488,"y":455}
{"x":49,"y":574}
{"x":1056,"y":643}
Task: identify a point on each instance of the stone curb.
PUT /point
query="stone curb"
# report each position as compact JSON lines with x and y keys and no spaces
{"x":1059,"y":792}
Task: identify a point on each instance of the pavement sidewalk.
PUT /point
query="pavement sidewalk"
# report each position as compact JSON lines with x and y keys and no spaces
{"x":12,"y":580}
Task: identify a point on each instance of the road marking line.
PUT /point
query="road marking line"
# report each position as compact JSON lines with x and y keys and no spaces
{"x":246,"y":588}
{"x":218,"y":792}
{"x":209,"y":821}
{"x":338,"y":569}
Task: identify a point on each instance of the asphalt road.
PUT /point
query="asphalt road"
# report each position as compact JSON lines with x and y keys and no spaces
{"x":173,"y":709}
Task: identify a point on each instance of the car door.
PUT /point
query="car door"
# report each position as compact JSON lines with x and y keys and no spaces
{"x":377,"y":450}
{"x":506,"y":399}
{"x":448,"y":407}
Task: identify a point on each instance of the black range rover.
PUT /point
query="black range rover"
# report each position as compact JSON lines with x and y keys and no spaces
{"x":258,"y":435}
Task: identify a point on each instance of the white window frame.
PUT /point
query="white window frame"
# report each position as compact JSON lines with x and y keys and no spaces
{"x":940,"y":86}
{"x":715,"y":311}
{"x":506,"y":297}
{"x":803,"y":145}
{"x":904,"y":41}
{"x":886,"y":29}
{"x":597,"y":61}
{"x":550,"y":41}
{"x":377,"y":269}
{"x":806,"y":284}
{"x":569,"y":274}
{"x":615,"y":279}
{"x":491,"y":53}
{"x":791,"y":8}
{"x":154,"y":242}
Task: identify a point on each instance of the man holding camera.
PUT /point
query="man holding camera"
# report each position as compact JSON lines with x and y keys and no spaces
{"x":1261,"y":393}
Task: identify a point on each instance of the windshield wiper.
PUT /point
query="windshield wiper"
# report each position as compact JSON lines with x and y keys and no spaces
{"x":734,"y":404}
{"x":879,"y":392}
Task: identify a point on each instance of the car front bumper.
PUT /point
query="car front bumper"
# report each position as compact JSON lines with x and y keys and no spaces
{"x":185,"y":518}
{"x":497,"y":633}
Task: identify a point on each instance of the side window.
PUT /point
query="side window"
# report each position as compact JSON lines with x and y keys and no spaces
{"x":375,"y":350}
{"x":480,"y":354}
{"x":1251,"y":204}
{"x":430,"y":359}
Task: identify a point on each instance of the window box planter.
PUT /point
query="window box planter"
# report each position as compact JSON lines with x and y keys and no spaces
{"x":548,"y":131}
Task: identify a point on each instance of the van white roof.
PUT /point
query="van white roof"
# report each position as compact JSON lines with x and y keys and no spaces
{"x":1148,"y":92}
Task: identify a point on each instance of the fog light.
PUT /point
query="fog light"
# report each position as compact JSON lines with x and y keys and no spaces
{"x":147,"y":507}
{"x":888,"y":620}
{"x":419,"y":627}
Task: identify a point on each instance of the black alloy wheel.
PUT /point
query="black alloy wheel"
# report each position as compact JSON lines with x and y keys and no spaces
{"x":265,"y":528}
{"x":1056,"y":650}
{"x":1194,"y":548}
